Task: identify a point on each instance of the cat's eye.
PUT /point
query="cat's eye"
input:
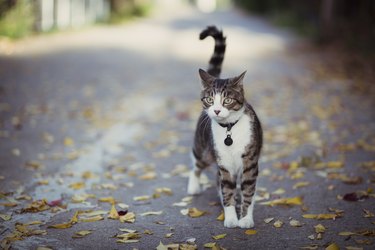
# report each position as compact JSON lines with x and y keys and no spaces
{"x":209,"y":100}
{"x":228,"y":101}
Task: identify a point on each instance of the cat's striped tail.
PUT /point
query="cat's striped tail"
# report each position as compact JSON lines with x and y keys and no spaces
{"x":214,"y":67}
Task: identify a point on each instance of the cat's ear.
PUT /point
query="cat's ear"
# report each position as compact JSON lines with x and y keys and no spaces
{"x":238,"y":80}
{"x":206,"y":78}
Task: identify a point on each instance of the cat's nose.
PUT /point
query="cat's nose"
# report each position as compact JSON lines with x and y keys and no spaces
{"x":217,"y":112}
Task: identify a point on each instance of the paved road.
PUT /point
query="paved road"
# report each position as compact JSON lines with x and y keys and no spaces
{"x":110,"y":112}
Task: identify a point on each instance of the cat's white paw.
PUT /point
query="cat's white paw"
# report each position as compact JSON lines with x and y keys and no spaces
{"x":230,"y":215}
{"x":231,"y":222}
{"x":246,"y":222}
{"x":193,"y":186}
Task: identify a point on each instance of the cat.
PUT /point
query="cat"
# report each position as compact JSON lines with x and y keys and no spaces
{"x":229,"y":135}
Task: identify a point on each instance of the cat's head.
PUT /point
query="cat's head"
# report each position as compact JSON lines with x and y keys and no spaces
{"x":223,"y":99}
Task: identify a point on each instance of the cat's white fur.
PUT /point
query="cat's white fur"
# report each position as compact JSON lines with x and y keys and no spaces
{"x":229,"y":156}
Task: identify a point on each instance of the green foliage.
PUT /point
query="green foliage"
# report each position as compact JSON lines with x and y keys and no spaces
{"x":18,"y":21}
{"x":124,"y":10}
{"x":301,"y":16}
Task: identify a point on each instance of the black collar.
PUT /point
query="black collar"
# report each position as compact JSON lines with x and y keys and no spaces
{"x":228,"y":125}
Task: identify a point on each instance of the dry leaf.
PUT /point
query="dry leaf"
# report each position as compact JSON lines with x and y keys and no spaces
{"x":221,"y":217}
{"x":42,"y":182}
{"x":36,"y":206}
{"x":123,"y":205}
{"x":320,"y":216}
{"x":68,"y":141}
{"x":353,"y":248}
{"x":91,"y":219}
{"x":43,"y":248}
{"x":164,"y":190}
{"x":113,"y":214}
{"x":81,"y":234}
{"x":250,"y":232}
{"x":284,"y":201}
{"x":278,"y":224}
{"x":128,"y":238}
{"x":108,"y":199}
{"x":295,"y":223}
{"x":77,"y":185}
{"x":268,"y":220}
{"x":279,"y":191}
{"x":194,"y":212}
{"x":301,"y":184}
{"x":142,"y":198}
{"x":319,"y":228}
{"x":129,"y":218}
{"x":61,"y":226}
{"x":169,"y":235}
{"x":6,"y":217}
{"x":127,"y":230}
{"x":333,"y":246}
{"x":161,"y":246}
{"x":151,"y":213}
{"x":210,"y":245}
{"x":148,"y":176}
{"x":218,"y":237}
{"x":78,"y":198}
{"x":149,"y":232}
{"x":368,"y":214}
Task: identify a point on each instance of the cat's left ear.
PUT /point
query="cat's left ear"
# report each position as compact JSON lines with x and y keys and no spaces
{"x":238,"y":80}
{"x":206,"y":78}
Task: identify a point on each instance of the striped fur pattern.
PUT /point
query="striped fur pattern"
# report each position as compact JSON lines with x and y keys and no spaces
{"x":214,"y":66}
{"x":224,"y":103}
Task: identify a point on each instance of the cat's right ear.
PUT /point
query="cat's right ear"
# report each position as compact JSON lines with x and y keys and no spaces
{"x":206,"y":78}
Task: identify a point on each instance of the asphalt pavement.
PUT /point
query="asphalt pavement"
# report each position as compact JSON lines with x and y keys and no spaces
{"x":96,"y":127}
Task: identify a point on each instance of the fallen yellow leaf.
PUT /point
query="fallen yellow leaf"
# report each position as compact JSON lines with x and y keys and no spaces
{"x":319,"y":228}
{"x":333,"y":246}
{"x":113,"y":214}
{"x":91,"y":219}
{"x":194,"y":212}
{"x":278,"y":224}
{"x":301,"y":184}
{"x":320,"y":216}
{"x":284,"y":201}
{"x":148,"y":176}
{"x":129,"y":218}
{"x":108,"y":199}
{"x":61,"y":226}
{"x":295,"y":223}
{"x":6,"y":217}
{"x":218,"y":237}
{"x":221,"y":217}
{"x":210,"y":245}
{"x":250,"y":232}
{"x":68,"y":141}
{"x":81,"y":234}
{"x":268,"y":220}
{"x":169,"y":235}
{"x":77,"y":185}
{"x":151,"y":213}
{"x":142,"y":198}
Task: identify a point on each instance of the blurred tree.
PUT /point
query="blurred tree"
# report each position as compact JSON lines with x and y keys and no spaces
{"x":16,"y":18}
{"x":325,"y":20}
{"x":122,"y":9}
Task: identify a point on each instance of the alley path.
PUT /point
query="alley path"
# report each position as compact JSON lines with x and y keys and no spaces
{"x":106,"y":115}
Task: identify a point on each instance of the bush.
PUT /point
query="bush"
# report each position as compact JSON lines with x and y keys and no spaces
{"x":17,"y":21}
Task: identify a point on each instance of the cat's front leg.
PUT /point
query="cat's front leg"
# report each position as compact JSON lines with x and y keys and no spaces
{"x":194,"y":186}
{"x":227,"y":194}
{"x":248,"y":186}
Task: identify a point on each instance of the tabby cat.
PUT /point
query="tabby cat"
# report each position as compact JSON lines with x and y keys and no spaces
{"x":229,"y":135}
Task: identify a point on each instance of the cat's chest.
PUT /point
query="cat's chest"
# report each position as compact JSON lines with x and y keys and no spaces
{"x":231,"y":156}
